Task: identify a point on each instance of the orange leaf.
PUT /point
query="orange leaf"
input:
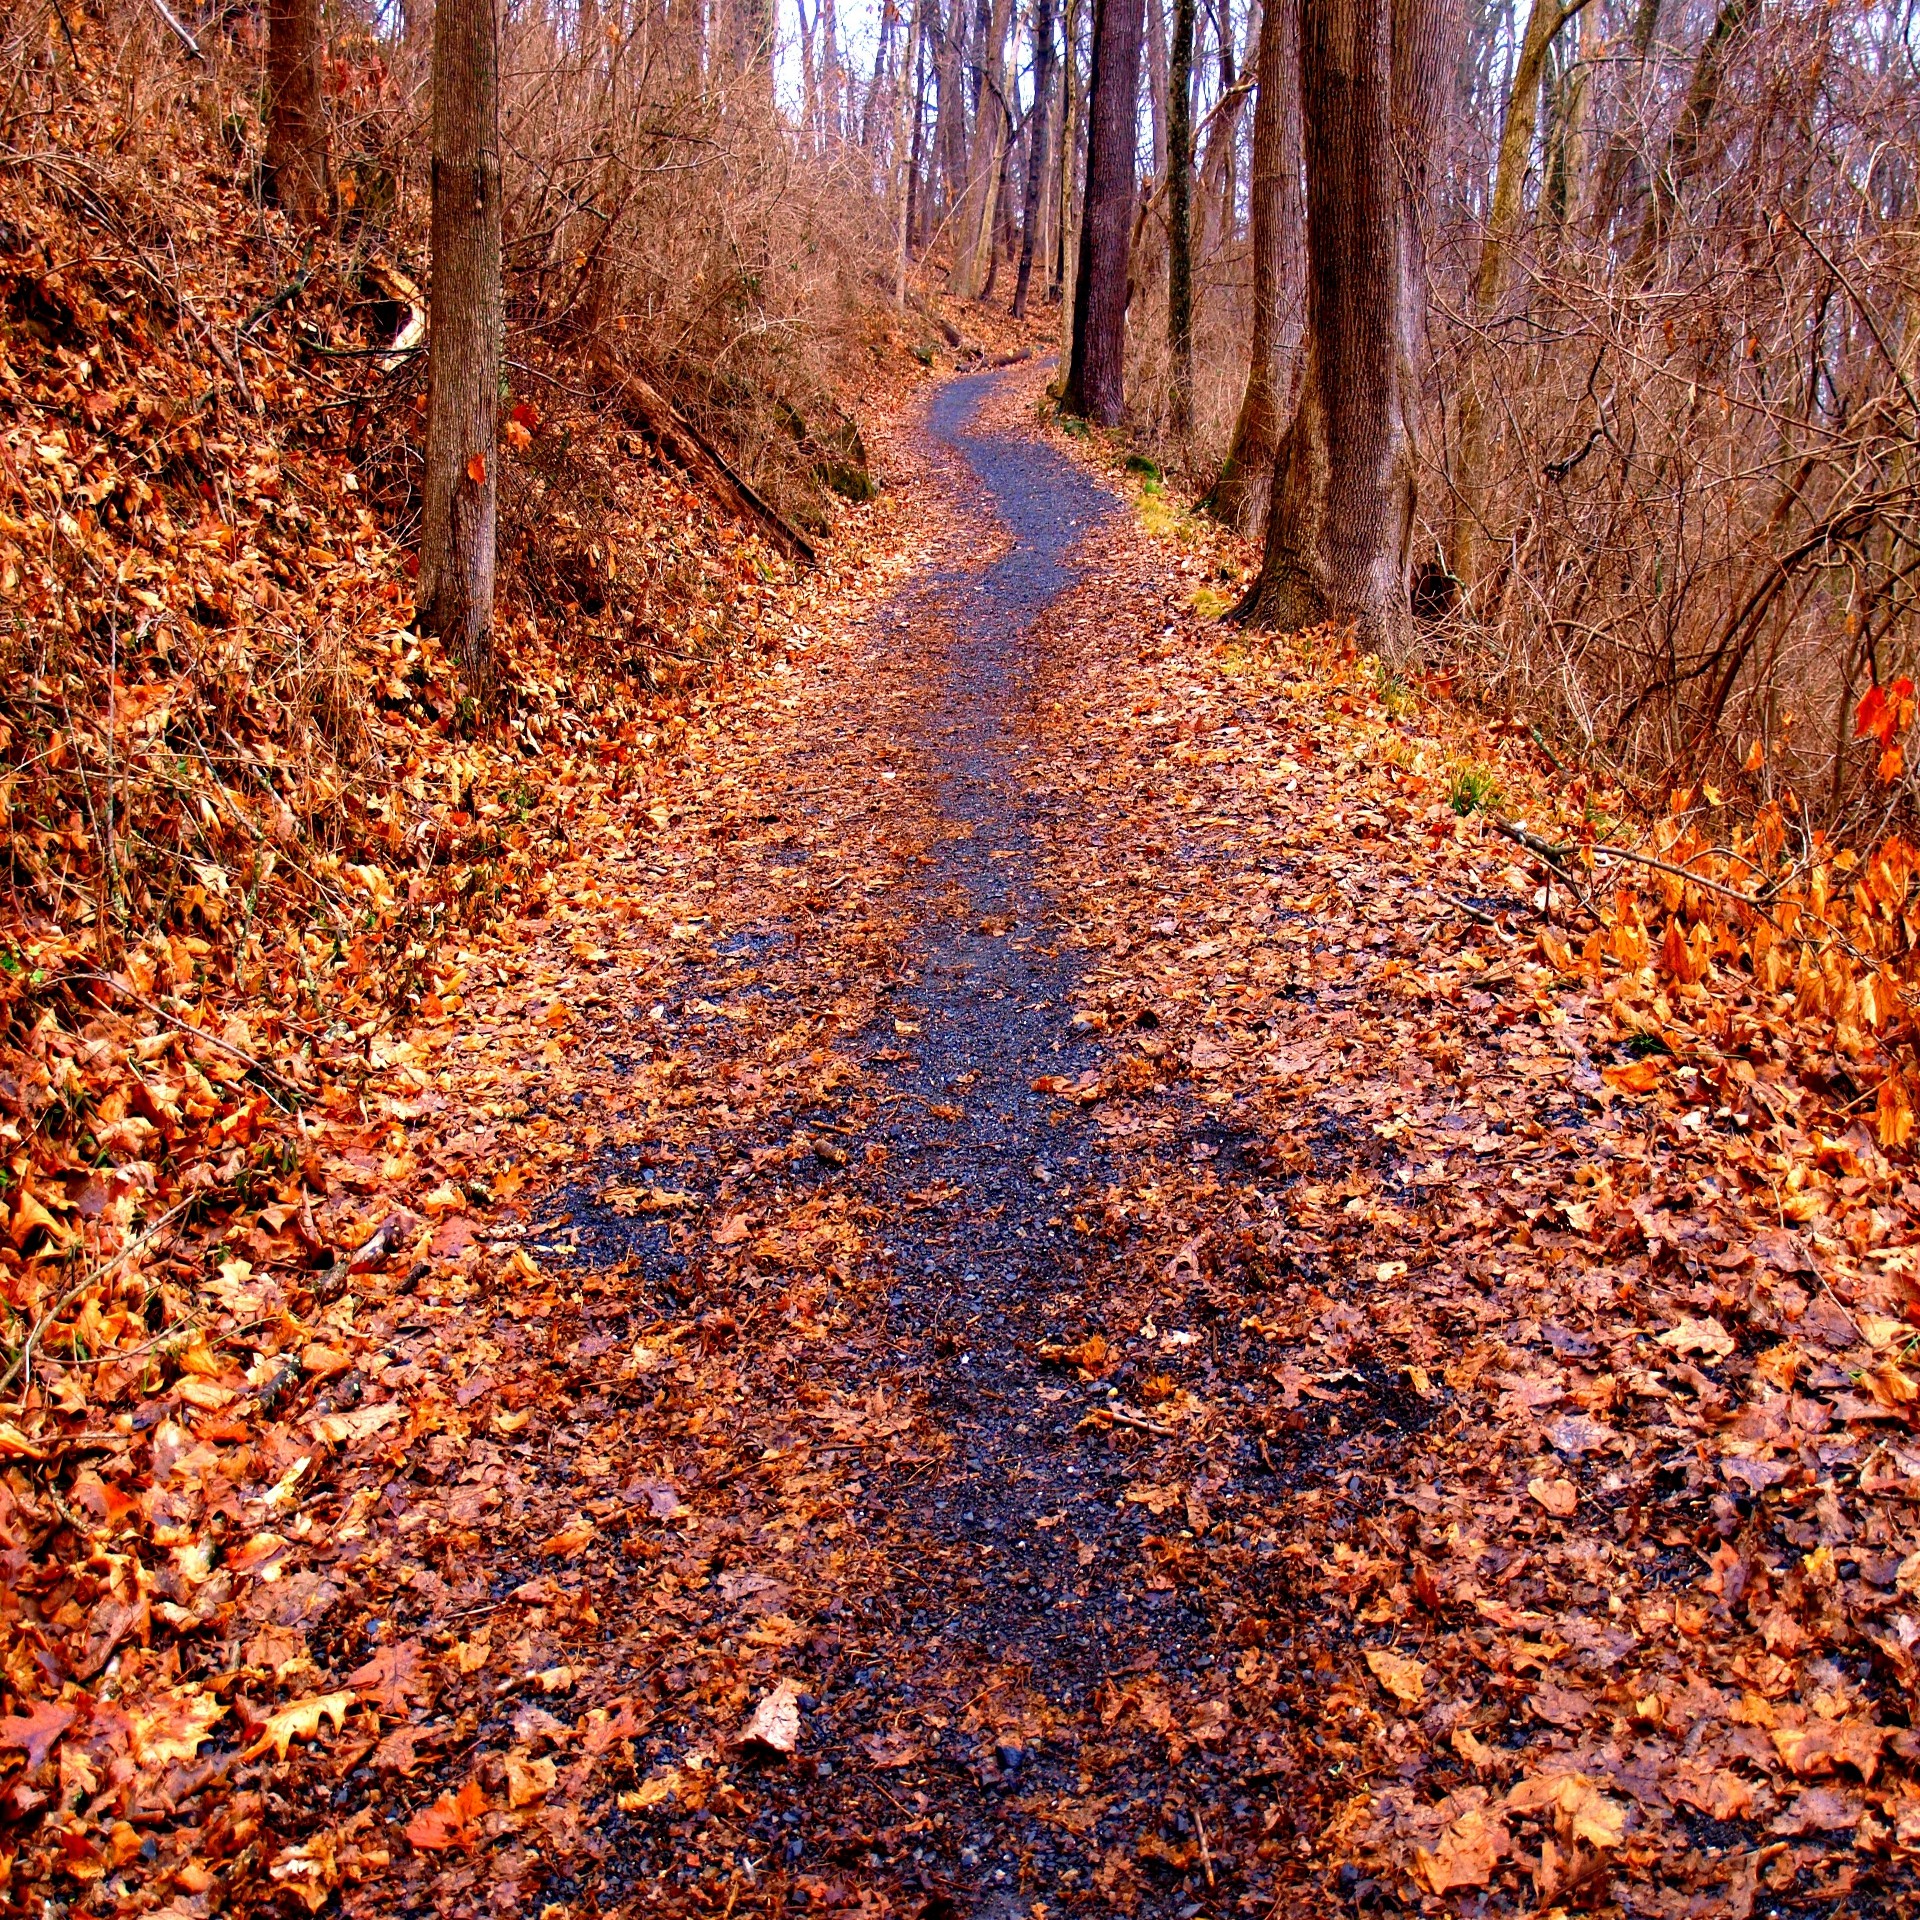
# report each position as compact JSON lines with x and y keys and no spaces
{"x":449,"y":1822}
{"x":1873,"y":715}
{"x":1892,"y":764}
{"x":477,"y":469}
{"x":1640,"y":1076}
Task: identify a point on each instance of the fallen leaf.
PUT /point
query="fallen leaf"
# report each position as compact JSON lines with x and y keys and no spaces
{"x":301,"y":1721}
{"x":35,"y":1731}
{"x":1559,"y":1497}
{"x":775,"y":1722}
{"x":1405,"y":1679}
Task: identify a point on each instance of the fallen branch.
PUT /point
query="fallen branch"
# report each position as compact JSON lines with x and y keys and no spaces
{"x":682,"y":443}
{"x":1557,"y":857}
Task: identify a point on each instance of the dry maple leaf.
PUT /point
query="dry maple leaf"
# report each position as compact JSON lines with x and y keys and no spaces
{"x":300,"y":1721}
{"x":175,"y":1727}
{"x":392,"y":1678}
{"x":1405,"y":1679}
{"x":529,"y":1779}
{"x":1581,"y":1811}
{"x":1467,"y":1852}
{"x":1706,"y":1336}
{"x":35,"y":1731}
{"x":450,"y":1821}
{"x":1559,"y":1497}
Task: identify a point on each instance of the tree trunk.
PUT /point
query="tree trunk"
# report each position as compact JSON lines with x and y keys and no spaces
{"x":296,"y":115}
{"x":877,"y":87}
{"x":1545,"y":19}
{"x":1066,"y":181}
{"x":1036,"y":147}
{"x":1279,"y":263}
{"x":1180,"y":215}
{"x":950,"y":120}
{"x":1687,"y":151}
{"x":1096,"y":374}
{"x":1218,"y":186}
{"x":1610,"y":180}
{"x":917,"y":169}
{"x":973,"y":242}
{"x":455,"y":598}
{"x":1340,"y":528}
{"x":906,"y":153}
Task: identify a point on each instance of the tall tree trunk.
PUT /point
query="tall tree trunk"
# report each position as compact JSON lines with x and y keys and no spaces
{"x":455,"y":598}
{"x":1340,"y":528}
{"x":877,"y":87}
{"x":1037,"y":147}
{"x":1180,"y":215}
{"x":973,"y":242}
{"x":917,"y":169}
{"x":832,"y":77}
{"x":1066,"y":180}
{"x":296,"y":114}
{"x":1096,"y":373}
{"x":1279,"y":265}
{"x":1687,"y":151}
{"x":1465,"y":555}
{"x":1218,"y":187}
{"x":950,"y":122}
{"x":906,"y":153}
{"x":1610,"y":180}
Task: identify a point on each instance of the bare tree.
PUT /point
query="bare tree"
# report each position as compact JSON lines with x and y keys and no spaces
{"x":1037,"y":147}
{"x":973,"y":242}
{"x":457,"y":532}
{"x":1340,"y":527}
{"x":1180,"y":215}
{"x":1545,"y":19}
{"x":296,"y":159}
{"x":1279,"y":269}
{"x":1096,"y":373}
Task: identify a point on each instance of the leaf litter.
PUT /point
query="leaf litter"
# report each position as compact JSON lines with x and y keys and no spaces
{"x":1043,"y":1278}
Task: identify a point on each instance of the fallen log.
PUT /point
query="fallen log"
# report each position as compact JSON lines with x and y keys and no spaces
{"x":646,"y":407}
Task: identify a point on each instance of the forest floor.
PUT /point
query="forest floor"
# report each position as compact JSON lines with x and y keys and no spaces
{"x":1083,"y":1324}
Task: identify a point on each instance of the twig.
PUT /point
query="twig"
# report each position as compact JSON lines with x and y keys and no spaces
{"x":1206,"y":1852}
{"x":23,"y":1360}
{"x":186,"y":39}
{"x":186,"y":1026}
{"x":66,"y":32}
{"x":1557,"y":859}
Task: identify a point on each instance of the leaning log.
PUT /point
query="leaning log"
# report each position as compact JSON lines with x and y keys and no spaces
{"x":644,"y":406}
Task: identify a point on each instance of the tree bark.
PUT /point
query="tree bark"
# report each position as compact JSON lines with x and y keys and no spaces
{"x":973,"y":242}
{"x":1037,"y":147}
{"x":1279,"y":269}
{"x":1610,"y":180}
{"x":1096,"y":375}
{"x":1067,"y":238}
{"x":1340,"y":528}
{"x":296,"y":114}
{"x":906,"y":152}
{"x":1180,"y":215}
{"x":455,"y":598}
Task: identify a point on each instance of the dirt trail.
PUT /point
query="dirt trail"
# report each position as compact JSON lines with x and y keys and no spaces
{"x":1088,"y":1256}
{"x":1001,"y":1607}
